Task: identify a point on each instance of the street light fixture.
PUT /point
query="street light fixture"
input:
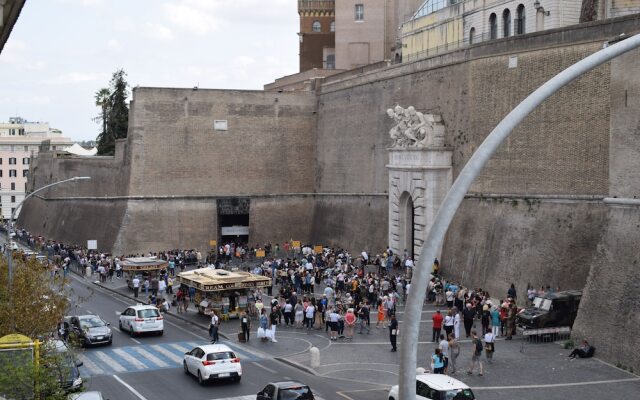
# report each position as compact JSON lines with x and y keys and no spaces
{"x":8,"y":249}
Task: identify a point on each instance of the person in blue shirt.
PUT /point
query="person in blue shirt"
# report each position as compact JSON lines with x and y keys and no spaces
{"x":437,"y":361}
{"x":495,"y":321}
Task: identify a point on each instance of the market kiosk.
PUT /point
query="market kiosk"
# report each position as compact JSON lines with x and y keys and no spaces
{"x":142,"y":267}
{"x":225,"y":292}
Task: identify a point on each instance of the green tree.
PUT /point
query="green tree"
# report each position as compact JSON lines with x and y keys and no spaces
{"x":33,"y":307}
{"x":115,"y":117}
{"x":102,"y":101}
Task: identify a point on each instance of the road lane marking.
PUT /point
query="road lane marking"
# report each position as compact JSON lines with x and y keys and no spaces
{"x":167,"y":353}
{"x":136,"y":340}
{"x":265,"y":368}
{"x":130,"y":359}
{"x":93,"y":367}
{"x":142,"y":352}
{"x":179,"y":348}
{"x":131,"y":389}
{"x":552,"y":385}
{"x":111,"y":363}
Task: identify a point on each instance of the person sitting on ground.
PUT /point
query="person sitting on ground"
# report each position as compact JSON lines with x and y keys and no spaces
{"x":584,"y":351}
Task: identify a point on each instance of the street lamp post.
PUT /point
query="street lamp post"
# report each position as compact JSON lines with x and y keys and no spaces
{"x":8,"y":249}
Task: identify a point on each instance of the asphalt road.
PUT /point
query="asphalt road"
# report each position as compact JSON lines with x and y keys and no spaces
{"x":149,"y":367}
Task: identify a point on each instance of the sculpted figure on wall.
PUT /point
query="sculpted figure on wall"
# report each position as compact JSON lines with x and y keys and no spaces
{"x":415,"y":129}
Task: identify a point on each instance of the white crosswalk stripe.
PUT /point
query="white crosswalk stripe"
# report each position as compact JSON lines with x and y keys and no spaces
{"x":130,"y":359}
{"x":93,"y":367}
{"x":167,"y":353}
{"x":150,"y":357}
{"x":110,"y":362}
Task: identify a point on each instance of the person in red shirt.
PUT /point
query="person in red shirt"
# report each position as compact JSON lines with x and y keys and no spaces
{"x":437,"y":325}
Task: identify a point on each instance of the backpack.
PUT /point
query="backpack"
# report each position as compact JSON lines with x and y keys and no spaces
{"x":478,"y":346}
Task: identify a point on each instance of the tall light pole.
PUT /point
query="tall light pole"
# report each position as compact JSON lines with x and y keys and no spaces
{"x":8,"y":249}
{"x":450,"y":204}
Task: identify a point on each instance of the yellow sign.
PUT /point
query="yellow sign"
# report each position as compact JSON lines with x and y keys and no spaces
{"x":213,"y":243}
{"x":260,"y":253}
{"x":16,"y":340}
{"x":295,"y":244}
{"x":317,"y":249}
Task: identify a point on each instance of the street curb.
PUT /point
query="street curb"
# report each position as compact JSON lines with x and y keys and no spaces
{"x":294,"y":364}
{"x":176,"y":316}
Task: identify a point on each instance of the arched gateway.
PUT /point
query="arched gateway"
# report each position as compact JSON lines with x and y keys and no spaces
{"x":420,"y":175}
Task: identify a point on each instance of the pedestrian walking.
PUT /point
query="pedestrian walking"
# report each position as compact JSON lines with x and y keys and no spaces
{"x":476,"y":361}
{"x":448,"y":323}
{"x":437,"y":362}
{"x":456,"y":322}
{"x":454,"y":352}
{"x":245,"y":323}
{"x":489,"y":346}
{"x":363,"y":318}
{"x":468,"y":315}
{"x":393,"y":332}
{"x":213,"y":327}
{"x":436,"y":318}
{"x":136,"y":286}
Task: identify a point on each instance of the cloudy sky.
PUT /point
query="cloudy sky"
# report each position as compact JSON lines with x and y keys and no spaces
{"x":62,"y":51}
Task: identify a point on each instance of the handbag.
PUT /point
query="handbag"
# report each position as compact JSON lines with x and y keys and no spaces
{"x":261,"y":333}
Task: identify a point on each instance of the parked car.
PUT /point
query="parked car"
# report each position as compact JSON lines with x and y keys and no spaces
{"x":437,"y":387}
{"x":90,"y":329}
{"x":285,"y":390}
{"x":141,"y":318}
{"x":212,"y":361}
{"x":64,"y":367}
{"x":551,"y":310}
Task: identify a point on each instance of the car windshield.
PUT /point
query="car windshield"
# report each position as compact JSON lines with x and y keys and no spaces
{"x":537,"y":301}
{"x":458,"y":394}
{"x":148,"y":313}
{"x":546,"y":305}
{"x":223,"y":355}
{"x":295,"y":393}
{"x":92,"y":322}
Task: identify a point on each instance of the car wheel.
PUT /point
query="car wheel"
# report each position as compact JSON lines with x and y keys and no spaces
{"x":237,"y":378}
{"x":110,"y":342}
{"x":160,"y":333}
{"x":120,"y":325}
{"x":132,"y":332}
{"x":184,"y":366}
{"x":200,"y":380}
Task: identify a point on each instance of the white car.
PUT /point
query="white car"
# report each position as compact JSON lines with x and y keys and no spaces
{"x":437,"y":387}
{"x":212,"y":361}
{"x":141,"y":318}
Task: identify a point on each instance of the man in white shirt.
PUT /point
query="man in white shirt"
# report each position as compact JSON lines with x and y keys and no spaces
{"x":213,"y":329}
{"x":136,"y":286}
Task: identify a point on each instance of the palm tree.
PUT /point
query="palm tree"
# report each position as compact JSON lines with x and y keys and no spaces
{"x":102,"y":100}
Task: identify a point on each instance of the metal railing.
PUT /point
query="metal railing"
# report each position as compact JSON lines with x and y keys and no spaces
{"x":450,"y":46}
{"x":543,"y":335}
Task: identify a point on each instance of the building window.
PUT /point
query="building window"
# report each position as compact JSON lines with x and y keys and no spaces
{"x":520,"y":20}
{"x":13,"y":186}
{"x":359,"y":12}
{"x":12,"y":161}
{"x":13,"y":199}
{"x":25,"y":173}
{"x":13,"y":210}
{"x":472,"y":33}
{"x":506,"y":22}
{"x":25,"y":161}
{"x":0,"y":161}
{"x":0,"y":173}
{"x":13,"y":173}
{"x":331,"y":61}
{"x":316,"y":26}
{"x":332,"y":26}
{"x":493,"y":26}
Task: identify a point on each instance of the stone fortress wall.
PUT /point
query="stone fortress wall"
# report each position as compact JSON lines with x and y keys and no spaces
{"x":314,"y":166}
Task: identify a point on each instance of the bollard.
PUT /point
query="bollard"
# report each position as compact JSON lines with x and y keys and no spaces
{"x":87,"y":272}
{"x":315,"y":357}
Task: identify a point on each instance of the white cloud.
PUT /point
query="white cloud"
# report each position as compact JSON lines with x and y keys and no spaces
{"x":158,"y":31}
{"x":243,"y":61}
{"x":38,"y":65}
{"x":78,"y":77}
{"x":191,"y":19}
{"x":84,"y":2}
{"x":113,"y":44}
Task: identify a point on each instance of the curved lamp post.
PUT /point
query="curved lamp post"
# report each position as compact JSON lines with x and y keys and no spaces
{"x":450,"y":204}
{"x":8,"y":249}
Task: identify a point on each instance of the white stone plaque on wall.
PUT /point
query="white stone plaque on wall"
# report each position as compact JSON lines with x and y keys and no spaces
{"x":92,"y":244}
{"x":220,"y":124}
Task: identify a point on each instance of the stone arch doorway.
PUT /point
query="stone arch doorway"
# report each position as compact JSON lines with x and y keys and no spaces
{"x":406,"y":221}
